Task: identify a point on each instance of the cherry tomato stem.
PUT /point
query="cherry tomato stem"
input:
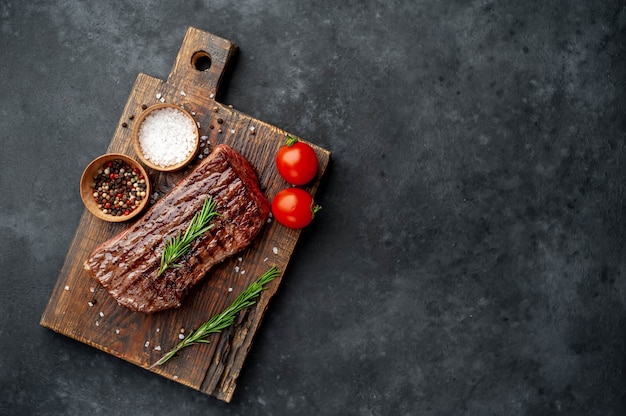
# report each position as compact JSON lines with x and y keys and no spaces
{"x":290,"y":141}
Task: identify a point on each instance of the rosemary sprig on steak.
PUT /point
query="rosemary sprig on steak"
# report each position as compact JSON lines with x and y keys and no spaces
{"x":178,"y":245}
{"x":226,"y":318}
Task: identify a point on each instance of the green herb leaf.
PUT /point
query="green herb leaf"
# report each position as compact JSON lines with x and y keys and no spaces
{"x":178,"y":245}
{"x":226,"y":318}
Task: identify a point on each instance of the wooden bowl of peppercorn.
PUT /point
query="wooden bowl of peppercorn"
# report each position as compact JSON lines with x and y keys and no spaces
{"x":115,"y":187}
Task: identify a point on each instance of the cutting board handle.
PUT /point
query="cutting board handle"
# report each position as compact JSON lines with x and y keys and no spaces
{"x":201,"y":63}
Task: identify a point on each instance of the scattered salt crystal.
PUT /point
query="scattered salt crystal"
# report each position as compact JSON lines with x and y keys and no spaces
{"x":232,"y":131}
{"x":243,"y":272}
{"x":158,"y":330}
{"x":269,"y":220}
{"x":204,"y":137}
{"x":236,"y":269}
{"x":101,"y":314}
{"x":157,"y":348}
{"x":162,"y":99}
{"x":211,"y":95}
{"x":182,"y":93}
{"x":193,"y":113}
{"x":275,"y":250}
{"x":167,"y":137}
{"x":240,"y":259}
{"x":181,"y":336}
{"x":264,"y":260}
{"x":230,"y":289}
{"x":158,"y":95}
{"x":147,"y":344}
{"x":97,"y":323}
{"x":92,"y":289}
{"x":67,"y":288}
{"x":90,"y":303}
{"x":182,"y":330}
{"x":117,"y":331}
{"x":175,"y":377}
{"x":198,"y":124}
{"x":252,"y":128}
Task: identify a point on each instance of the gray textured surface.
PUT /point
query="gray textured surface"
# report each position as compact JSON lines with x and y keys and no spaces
{"x":469,"y":257}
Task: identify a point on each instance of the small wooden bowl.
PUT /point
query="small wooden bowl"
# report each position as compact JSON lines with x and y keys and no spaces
{"x":137,"y":145}
{"x":87,"y":181}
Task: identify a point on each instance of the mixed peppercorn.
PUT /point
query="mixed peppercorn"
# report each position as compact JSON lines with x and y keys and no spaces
{"x":118,"y":188}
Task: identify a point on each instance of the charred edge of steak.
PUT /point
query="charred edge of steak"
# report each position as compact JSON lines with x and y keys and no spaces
{"x":126,"y":265}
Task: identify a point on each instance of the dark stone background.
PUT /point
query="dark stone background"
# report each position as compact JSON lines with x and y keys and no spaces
{"x":469,"y":256}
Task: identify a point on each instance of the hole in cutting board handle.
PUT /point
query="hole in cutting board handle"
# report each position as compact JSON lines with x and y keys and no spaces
{"x":201,"y":60}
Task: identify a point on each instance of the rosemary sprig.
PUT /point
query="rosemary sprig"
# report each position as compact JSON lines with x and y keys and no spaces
{"x":178,"y":245}
{"x":223,"y":320}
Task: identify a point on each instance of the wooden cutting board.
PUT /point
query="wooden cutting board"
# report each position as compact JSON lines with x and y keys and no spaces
{"x":81,"y":309}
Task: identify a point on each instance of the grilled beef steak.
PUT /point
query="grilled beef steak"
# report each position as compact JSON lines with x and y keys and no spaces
{"x":127,"y":264}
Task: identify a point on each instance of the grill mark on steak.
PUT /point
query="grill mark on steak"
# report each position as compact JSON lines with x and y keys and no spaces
{"x":127,"y":264}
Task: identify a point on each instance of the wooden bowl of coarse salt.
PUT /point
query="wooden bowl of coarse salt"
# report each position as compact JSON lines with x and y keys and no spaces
{"x":165,"y":137}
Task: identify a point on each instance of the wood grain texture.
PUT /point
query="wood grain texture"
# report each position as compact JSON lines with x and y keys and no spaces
{"x":81,"y":309}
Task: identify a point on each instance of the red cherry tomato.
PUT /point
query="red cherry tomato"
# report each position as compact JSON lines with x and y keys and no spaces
{"x":294,"y":207}
{"x":296,"y":162}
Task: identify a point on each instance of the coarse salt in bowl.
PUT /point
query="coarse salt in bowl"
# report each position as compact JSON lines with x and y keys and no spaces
{"x":165,"y":137}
